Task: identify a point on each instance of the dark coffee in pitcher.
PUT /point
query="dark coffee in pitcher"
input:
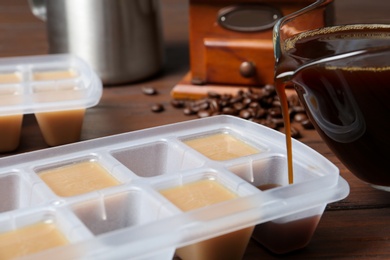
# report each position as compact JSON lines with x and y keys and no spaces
{"x":344,"y":83}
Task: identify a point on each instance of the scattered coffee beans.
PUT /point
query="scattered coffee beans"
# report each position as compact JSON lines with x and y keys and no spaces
{"x":260,"y":105}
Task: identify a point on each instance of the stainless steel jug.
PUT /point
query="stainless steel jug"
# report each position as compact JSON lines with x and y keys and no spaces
{"x":121,"y":39}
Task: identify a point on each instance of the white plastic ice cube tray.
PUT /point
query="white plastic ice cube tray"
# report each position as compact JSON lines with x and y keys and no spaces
{"x":134,"y":221}
{"x":22,"y":93}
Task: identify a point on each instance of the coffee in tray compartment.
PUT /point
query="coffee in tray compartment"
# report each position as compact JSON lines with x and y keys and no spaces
{"x":30,"y":239}
{"x":221,"y":146}
{"x":77,"y":178}
{"x":204,"y":193}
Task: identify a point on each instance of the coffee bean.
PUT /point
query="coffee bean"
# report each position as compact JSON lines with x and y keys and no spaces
{"x":238,"y":106}
{"x":224,"y":103}
{"x":269,"y":123}
{"x":307,"y":124}
{"x":204,"y":105}
{"x":298,"y":109}
{"x":213,"y":94}
{"x":275,"y":112}
{"x":214,"y":105}
{"x":157,"y":108}
{"x":149,"y":91}
{"x":229,"y":111}
{"x":270,"y":88}
{"x":276,"y":103}
{"x":254,"y":104}
{"x":188,"y":111}
{"x":261,"y":113}
{"x":203,"y":113}
{"x":295,"y":133}
{"x":236,"y":99}
{"x":246,"y":101}
{"x":279,"y":122}
{"x":266,"y":102}
{"x":226,"y":97}
{"x":177,"y":103}
{"x":256,"y":96}
{"x":246,"y":114}
{"x":194,"y":107}
{"x":299,"y":117}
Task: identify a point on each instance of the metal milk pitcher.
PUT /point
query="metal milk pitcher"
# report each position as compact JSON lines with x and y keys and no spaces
{"x":121,"y":39}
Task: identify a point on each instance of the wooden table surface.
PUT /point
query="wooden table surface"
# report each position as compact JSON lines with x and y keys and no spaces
{"x":356,"y":227}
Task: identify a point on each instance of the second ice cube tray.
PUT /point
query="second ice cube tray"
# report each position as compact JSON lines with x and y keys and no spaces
{"x":56,"y":88}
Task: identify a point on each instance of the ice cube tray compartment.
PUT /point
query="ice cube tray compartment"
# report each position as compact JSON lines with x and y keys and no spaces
{"x":221,"y":176}
{"x":17,"y":192}
{"x":137,"y":207}
{"x":222,"y":145}
{"x":163,"y":157}
{"x":11,"y":94}
{"x":133,"y":219}
{"x":10,"y":75}
{"x":271,"y":171}
{"x":79,"y":176}
{"x":63,"y":219}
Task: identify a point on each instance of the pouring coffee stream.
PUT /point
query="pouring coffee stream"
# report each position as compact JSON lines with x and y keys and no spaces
{"x":280,"y":89}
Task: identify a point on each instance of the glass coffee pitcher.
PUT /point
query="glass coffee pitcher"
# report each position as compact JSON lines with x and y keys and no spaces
{"x":340,"y":69}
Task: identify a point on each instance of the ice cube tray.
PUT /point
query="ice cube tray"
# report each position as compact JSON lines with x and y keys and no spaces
{"x":56,"y":88}
{"x":133,"y":220}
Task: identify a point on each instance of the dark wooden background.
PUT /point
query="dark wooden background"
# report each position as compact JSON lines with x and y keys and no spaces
{"x":356,"y":227}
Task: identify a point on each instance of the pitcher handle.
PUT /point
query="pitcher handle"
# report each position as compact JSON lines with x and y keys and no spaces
{"x":38,"y":8}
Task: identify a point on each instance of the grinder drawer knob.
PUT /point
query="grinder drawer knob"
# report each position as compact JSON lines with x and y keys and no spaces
{"x":247,"y":69}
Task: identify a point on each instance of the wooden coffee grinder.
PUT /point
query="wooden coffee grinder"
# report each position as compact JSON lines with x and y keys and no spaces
{"x":231,"y":45}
